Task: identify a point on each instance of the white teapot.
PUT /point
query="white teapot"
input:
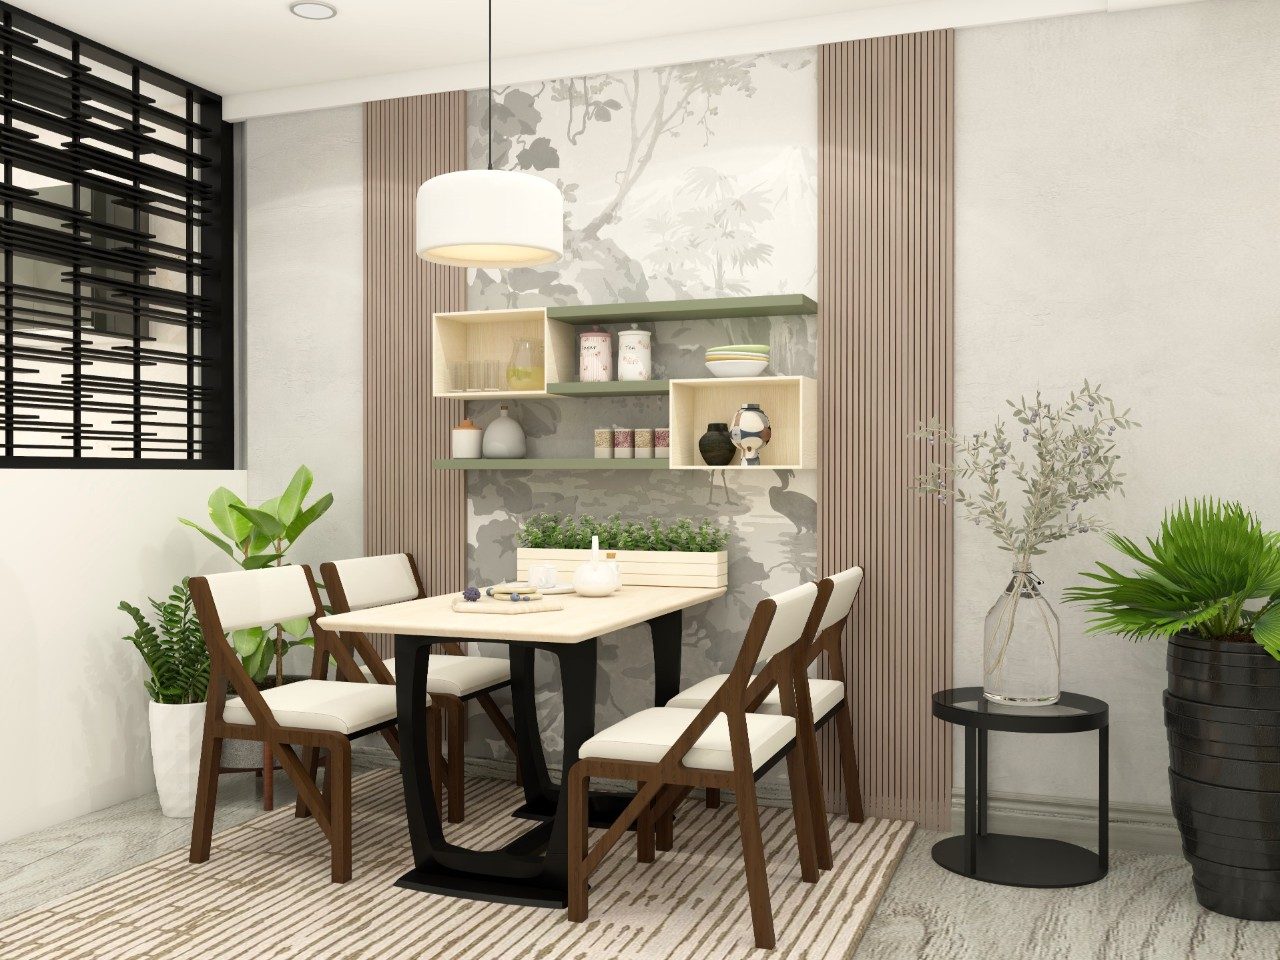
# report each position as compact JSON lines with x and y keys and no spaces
{"x":596,"y":577}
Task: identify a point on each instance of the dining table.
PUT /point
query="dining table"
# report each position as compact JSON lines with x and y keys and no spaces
{"x":531,"y":869}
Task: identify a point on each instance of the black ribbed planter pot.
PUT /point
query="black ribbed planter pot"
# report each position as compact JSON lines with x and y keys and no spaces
{"x":1222,"y":714}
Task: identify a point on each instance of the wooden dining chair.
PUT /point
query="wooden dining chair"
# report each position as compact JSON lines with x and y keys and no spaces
{"x":454,"y":679}
{"x":669,"y":751}
{"x":827,"y":701}
{"x":316,"y":714}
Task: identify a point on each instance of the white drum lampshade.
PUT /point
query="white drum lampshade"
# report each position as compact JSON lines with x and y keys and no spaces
{"x":489,"y":218}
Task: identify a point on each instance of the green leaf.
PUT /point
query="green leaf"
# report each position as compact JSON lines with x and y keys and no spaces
{"x":294,"y":494}
{"x":213,"y":538}
{"x":296,"y":627}
{"x":248,"y":641}
{"x":1266,"y":629}
{"x":232,"y":525}
{"x":260,"y":521}
{"x":307,"y":517}
{"x":256,"y":663}
{"x":258,"y":561}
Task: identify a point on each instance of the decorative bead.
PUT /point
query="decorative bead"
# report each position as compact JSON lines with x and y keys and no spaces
{"x":471,"y":594}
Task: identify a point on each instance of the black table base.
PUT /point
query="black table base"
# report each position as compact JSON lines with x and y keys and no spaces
{"x":1021,"y":861}
{"x":532,"y":869}
{"x":1009,"y":860}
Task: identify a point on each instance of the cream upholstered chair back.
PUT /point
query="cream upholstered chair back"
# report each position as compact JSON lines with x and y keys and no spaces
{"x":254,"y":598}
{"x":789,"y":619}
{"x":843,"y":593}
{"x":376,"y":581}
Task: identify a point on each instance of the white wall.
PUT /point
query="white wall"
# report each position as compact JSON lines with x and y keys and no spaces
{"x":1118,"y":218}
{"x":304,"y":256}
{"x":72,"y":707}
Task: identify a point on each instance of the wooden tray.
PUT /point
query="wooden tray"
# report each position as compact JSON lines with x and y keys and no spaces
{"x":506,"y":607}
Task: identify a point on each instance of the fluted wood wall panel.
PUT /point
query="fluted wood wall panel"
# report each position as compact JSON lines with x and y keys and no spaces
{"x":408,"y":505}
{"x":886,"y":319}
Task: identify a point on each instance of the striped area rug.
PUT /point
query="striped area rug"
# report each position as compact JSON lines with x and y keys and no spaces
{"x":265,"y":893}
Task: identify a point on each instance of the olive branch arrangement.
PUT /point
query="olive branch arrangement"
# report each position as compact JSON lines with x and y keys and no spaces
{"x":1070,"y":462}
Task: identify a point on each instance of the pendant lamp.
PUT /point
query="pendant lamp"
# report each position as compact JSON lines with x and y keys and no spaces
{"x":489,"y":218}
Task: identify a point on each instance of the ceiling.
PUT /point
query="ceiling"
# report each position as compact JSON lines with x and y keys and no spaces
{"x":250,"y":50}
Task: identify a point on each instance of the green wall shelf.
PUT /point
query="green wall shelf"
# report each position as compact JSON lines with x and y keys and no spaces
{"x":551,"y":463}
{"x":611,"y":388}
{"x":715,"y":308}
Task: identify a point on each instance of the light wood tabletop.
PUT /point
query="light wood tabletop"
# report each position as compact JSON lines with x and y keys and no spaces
{"x":581,"y":619}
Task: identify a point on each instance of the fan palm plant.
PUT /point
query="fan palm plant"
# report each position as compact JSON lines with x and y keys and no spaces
{"x":1204,"y":574}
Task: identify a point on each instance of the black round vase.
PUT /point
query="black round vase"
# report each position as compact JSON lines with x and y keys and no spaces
{"x":1222,"y":715}
{"x":715,"y":445}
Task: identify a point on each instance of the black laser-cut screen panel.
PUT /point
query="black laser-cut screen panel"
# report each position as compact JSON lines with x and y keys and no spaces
{"x":116,"y":243}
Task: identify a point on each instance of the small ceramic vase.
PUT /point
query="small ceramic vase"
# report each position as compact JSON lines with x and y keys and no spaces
{"x":635,"y":354}
{"x":598,"y":577}
{"x":644,"y":443}
{"x":662,"y":443}
{"x":715,"y":446}
{"x":595,"y":356}
{"x":503,"y":437}
{"x":750,"y":433}
{"x":466,"y":441}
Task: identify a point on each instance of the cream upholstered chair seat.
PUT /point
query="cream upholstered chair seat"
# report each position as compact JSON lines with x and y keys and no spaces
{"x":333,"y":705}
{"x":456,"y":676}
{"x":645,"y":737}
{"x":825,"y":694}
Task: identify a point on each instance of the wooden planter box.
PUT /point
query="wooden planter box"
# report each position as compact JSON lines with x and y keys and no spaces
{"x":640,"y":568}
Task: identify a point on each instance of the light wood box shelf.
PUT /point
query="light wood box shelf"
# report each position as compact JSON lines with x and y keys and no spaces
{"x":791,"y":403}
{"x":484,"y":335}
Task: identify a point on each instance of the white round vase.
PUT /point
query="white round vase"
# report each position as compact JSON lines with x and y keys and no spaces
{"x":503,"y":437}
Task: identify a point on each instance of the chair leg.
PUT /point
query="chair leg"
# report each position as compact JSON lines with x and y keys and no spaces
{"x":713,"y":798}
{"x":311,"y":760}
{"x":577,"y":786}
{"x":206,"y":798}
{"x":645,"y":839}
{"x":457,"y":724}
{"x":337,"y":783}
{"x":802,"y":812}
{"x":753,"y":860}
{"x":817,"y":800}
{"x":435,"y":750}
{"x":849,"y":763}
{"x":268,"y":777}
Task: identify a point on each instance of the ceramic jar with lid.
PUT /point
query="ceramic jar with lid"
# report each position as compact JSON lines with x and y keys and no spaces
{"x":595,"y":356}
{"x":635,"y":354}
{"x":466,"y":441}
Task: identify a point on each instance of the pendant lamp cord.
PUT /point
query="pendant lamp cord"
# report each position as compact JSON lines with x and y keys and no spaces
{"x":489,"y":114}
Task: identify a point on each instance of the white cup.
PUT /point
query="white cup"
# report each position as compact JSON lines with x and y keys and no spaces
{"x":543,"y":576}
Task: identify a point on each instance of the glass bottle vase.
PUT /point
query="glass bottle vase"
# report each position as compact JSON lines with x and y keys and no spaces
{"x":1020,"y":652}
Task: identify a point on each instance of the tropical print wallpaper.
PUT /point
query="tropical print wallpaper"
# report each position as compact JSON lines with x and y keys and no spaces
{"x":696,"y":180}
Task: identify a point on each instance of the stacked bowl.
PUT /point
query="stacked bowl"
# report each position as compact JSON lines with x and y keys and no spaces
{"x":738,"y":359}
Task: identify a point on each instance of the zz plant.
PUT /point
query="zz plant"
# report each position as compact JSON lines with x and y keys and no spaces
{"x":1213,"y":572}
{"x":173,"y":648}
{"x":257,"y":537}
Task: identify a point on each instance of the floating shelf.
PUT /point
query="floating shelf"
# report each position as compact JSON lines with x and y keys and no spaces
{"x":483,"y":335}
{"x":791,"y":403}
{"x":551,"y":463}
{"x":715,"y":308}
{"x":610,"y":388}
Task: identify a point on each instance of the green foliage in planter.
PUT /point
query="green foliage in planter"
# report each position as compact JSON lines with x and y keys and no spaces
{"x":257,"y":537}
{"x":1204,"y":574}
{"x":554,"y":531}
{"x":174,"y":649}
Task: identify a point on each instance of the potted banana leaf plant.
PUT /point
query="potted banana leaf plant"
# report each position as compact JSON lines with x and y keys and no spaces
{"x":1209,"y":584}
{"x":175,"y":654}
{"x":257,"y":537}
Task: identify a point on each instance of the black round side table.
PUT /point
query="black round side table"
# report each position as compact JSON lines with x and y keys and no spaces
{"x":1000,"y":858}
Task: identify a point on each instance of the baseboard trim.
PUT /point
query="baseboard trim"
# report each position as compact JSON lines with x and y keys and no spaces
{"x":1134,"y":826}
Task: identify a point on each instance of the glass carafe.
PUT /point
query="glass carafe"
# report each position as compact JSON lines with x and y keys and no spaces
{"x":1020,"y":654}
{"x":525,"y":368}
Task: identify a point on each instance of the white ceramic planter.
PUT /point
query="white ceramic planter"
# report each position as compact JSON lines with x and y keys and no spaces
{"x":639,"y":568}
{"x":176,"y":733}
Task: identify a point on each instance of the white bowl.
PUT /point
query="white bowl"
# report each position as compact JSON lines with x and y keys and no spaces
{"x":737,"y":368}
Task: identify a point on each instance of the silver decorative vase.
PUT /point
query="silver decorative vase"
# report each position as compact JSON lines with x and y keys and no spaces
{"x":1020,"y":650}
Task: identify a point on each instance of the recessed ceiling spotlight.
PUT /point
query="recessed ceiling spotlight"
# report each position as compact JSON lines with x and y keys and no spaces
{"x":313,"y":10}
